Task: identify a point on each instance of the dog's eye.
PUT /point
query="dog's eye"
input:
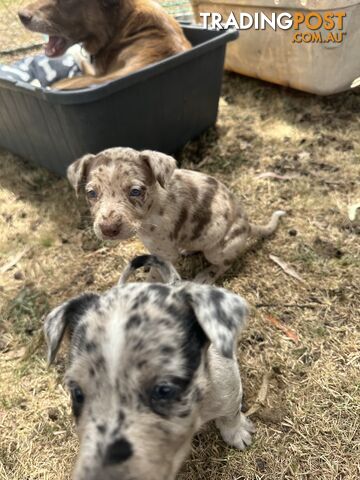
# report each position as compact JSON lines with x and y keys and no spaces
{"x":78,"y":395}
{"x":164,"y":396}
{"x":78,"y":399}
{"x":91,"y":194}
{"x":164,"y":392}
{"x":135,"y":192}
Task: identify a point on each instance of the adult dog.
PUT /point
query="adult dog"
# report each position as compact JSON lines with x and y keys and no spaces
{"x":121,"y":36}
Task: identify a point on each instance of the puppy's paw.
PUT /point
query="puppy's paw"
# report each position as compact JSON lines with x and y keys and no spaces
{"x":189,"y":253}
{"x":203,"y":279}
{"x":208,"y":276}
{"x":238,"y":432}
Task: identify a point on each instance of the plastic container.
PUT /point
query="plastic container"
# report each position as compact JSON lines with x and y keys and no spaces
{"x":321,"y":68}
{"x":160,"y":107}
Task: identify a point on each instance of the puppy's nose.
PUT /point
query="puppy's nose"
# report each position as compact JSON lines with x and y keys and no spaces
{"x":110,"y":229}
{"x":118,"y":452}
{"x":25,"y":16}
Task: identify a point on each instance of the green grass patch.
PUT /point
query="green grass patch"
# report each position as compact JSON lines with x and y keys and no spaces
{"x":24,"y":313}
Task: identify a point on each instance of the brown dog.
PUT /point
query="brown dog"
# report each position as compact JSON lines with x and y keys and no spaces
{"x":172,"y":210}
{"x":121,"y":36}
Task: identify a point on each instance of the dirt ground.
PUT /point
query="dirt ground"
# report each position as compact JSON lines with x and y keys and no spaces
{"x":299,"y":355}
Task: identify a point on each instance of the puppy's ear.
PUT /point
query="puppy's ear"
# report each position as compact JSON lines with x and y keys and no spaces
{"x":78,"y":172}
{"x":220,"y":313}
{"x":162,"y":166}
{"x":64,"y":319}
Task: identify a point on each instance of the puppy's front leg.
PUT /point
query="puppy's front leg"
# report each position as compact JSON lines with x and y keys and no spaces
{"x":226,"y":400}
{"x":236,"y":430}
{"x":210,"y":274}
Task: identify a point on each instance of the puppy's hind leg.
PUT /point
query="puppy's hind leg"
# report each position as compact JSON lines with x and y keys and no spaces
{"x":222,"y":256}
{"x":234,"y":245}
{"x":236,"y":430}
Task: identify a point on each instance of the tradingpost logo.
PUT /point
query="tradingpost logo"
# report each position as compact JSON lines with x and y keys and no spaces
{"x":308,"y":27}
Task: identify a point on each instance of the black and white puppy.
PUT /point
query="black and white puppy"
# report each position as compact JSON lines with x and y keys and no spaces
{"x":149,"y":364}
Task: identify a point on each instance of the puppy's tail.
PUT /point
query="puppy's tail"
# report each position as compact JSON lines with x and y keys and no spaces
{"x":166,"y":270}
{"x":266,"y":230}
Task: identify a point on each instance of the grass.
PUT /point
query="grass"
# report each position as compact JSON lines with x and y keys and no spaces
{"x":305,"y":395}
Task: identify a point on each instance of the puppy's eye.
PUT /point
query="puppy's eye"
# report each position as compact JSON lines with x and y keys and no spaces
{"x":164,"y":392}
{"x":78,"y":399}
{"x":78,"y":395}
{"x":91,"y":194}
{"x":135,"y":192}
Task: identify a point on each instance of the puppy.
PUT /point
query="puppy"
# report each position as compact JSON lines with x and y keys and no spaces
{"x":149,"y":364}
{"x":121,"y":36}
{"x":172,"y":210}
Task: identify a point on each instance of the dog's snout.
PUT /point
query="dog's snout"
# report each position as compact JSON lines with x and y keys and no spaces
{"x":25,"y":16}
{"x":110,"y":229}
{"x":119,"y":451}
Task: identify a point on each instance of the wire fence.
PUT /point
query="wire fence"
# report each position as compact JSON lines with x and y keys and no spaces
{"x":15,"y":39}
{"x":180,"y":9}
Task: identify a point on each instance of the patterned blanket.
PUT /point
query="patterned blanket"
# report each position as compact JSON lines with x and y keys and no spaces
{"x":42,"y":71}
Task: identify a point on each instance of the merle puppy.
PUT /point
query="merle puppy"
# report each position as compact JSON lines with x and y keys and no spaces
{"x":149,"y":364}
{"x":172,"y":210}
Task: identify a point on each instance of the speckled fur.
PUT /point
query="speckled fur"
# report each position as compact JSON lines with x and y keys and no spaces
{"x":128,"y":340}
{"x":178,"y":210}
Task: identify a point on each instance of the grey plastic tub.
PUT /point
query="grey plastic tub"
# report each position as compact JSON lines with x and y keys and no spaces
{"x":160,"y":107}
{"x":320,"y":68}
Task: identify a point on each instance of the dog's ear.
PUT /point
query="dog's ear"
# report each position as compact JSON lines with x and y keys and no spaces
{"x":78,"y":171}
{"x":64,"y":319}
{"x":220,"y":313}
{"x":162,"y":166}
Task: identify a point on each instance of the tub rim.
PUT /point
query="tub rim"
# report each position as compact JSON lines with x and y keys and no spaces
{"x":98,"y":92}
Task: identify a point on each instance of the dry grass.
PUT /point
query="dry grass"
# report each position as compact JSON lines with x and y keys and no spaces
{"x":308,"y":422}
{"x":12,"y":34}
